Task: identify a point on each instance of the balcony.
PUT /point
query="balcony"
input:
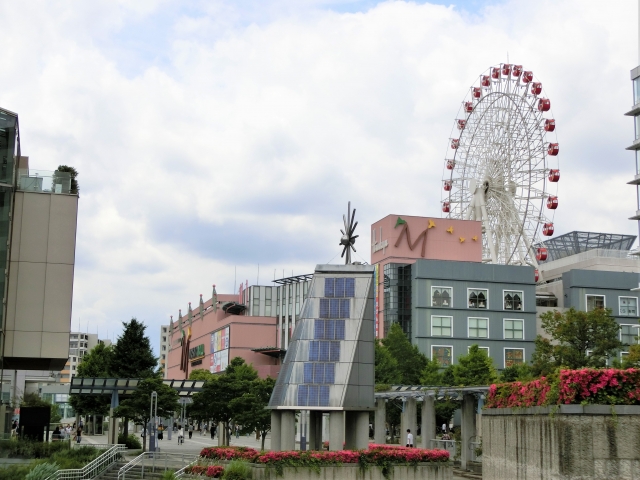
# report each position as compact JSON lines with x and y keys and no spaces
{"x":44,"y":181}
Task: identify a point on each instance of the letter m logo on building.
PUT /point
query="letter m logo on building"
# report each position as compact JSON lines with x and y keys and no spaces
{"x":406,"y":233}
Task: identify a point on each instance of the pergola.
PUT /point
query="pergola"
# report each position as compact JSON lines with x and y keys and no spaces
{"x":411,"y":394}
{"x":124,"y":387}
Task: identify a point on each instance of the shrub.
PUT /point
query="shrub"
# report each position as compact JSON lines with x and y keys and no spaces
{"x":131,"y":441}
{"x":236,"y":470}
{"x":42,"y":471}
{"x":169,"y":475}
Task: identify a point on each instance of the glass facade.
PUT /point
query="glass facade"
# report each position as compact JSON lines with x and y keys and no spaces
{"x":594,"y":301}
{"x":636,"y":90}
{"x":397,"y":296}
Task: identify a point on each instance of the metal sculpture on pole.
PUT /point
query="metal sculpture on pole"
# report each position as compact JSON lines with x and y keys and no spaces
{"x":348,"y":238}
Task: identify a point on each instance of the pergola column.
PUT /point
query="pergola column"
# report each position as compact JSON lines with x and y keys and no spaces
{"x":315,"y":430}
{"x":380,"y":423}
{"x":288,"y":430}
{"x":408,"y":420}
{"x":428,"y":424}
{"x":468,"y":428}
{"x":356,"y":430}
{"x":336,"y":430}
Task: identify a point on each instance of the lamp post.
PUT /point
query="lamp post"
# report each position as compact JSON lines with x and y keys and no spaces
{"x":153,"y":413}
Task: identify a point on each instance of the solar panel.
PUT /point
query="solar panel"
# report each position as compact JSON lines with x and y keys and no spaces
{"x":330,"y":328}
{"x":314,"y":351}
{"x":308,"y":372}
{"x":319,"y":327}
{"x":318,"y":373}
{"x":334,"y":309}
{"x":329,"y":373}
{"x":335,"y":352}
{"x":339,"y":330}
{"x":303,"y":394}
{"x":313,"y":396}
{"x":324,"y":352}
{"x":324,"y":308}
{"x":339,"y":290}
{"x":344,"y":308}
{"x":350,"y":287}
{"x":328,"y":287}
{"x":323,"y":401}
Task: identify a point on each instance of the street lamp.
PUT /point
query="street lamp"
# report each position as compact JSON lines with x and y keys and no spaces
{"x":153,"y":413}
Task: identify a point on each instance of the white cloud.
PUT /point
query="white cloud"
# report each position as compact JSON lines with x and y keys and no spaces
{"x":233,"y":143}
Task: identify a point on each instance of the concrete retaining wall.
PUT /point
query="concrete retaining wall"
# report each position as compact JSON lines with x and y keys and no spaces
{"x":569,"y":442}
{"x":423,"y":471}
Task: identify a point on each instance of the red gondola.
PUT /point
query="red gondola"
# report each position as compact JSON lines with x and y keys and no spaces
{"x":552,"y":202}
{"x":527,"y":77}
{"x":554,"y":175}
{"x":517,"y":71}
{"x":446,"y":207}
{"x":447,"y":185}
{"x":455,"y":143}
{"x":506,"y":69}
{"x":549,"y":125}
{"x":451,"y":164}
{"x":468,"y":106}
{"x":536,"y":275}
{"x":495,"y":72}
{"x":476,"y":91}
{"x":547,"y":230}
{"x":536,"y":88}
{"x":541,"y":255}
{"x":486,"y":81}
{"x":553,"y":149}
{"x":461,"y":124}
{"x":544,"y":104}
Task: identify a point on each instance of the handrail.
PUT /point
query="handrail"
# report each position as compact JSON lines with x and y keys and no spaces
{"x":180,"y":473}
{"x":152,"y":459}
{"x":92,"y":469}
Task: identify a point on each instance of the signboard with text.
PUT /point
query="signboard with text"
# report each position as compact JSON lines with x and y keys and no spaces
{"x":219,"y":350}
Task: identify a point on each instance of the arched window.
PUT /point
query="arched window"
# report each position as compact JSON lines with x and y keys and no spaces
{"x":437,"y":298}
{"x":473,"y":300}
{"x":508,"y":302}
{"x":482,"y":300}
{"x":517,"y":303}
{"x":446,"y":300}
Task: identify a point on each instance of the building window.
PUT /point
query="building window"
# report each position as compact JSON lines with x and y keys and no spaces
{"x":164,"y":329}
{"x":628,"y":334}
{"x":482,"y":349}
{"x":513,"y":300}
{"x":443,"y":354}
{"x":628,"y":307}
{"x":267,"y":302}
{"x":441,"y":326}
{"x":256,"y":301}
{"x":164,"y":348}
{"x":164,"y":339}
{"x":636,"y":90}
{"x":623,"y":355}
{"x":441,"y":296}
{"x":595,"y":301}
{"x":164,"y":356}
{"x":546,"y":301}
{"x":514,"y":329}
{"x":478,"y":327}
{"x":513,"y":356}
{"x":478,"y":298}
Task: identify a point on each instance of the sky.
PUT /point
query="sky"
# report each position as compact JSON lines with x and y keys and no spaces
{"x":220,"y":141}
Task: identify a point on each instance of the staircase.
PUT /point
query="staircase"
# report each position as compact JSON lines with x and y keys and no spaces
{"x":135,"y":473}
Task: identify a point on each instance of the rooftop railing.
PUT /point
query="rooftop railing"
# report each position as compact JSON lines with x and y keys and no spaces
{"x":44,"y":181}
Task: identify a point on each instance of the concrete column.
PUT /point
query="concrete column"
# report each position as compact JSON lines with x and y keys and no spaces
{"x":362,"y":430}
{"x":408,"y":420}
{"x":468,"y":428}
{"x":380,"y":424}
{"x":315,"y":430}
{"x":336,"y":430}
{"x":221,"y":433}
{"x":287,"y":430}
{"x":275,"y":430}
{"x":350,"y":427}
{"x":428,"y":424}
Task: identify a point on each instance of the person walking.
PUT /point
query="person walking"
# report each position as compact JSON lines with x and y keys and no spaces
{"x":409,"y":438}
{"x":180,"y":435}
{"x":160,"y":430}
{"x":190,"y":430}
{"x":213,"y":431}
{"x":78,"y":434}
{"x":237,"y":431}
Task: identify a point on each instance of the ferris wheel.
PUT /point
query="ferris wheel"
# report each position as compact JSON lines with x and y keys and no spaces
{"x":502,"y":168}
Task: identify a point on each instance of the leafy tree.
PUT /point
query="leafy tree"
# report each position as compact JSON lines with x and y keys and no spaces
{"x":475,"y":368}
{"x":411,"y":362}
{"x":201,"y":374}
{"x":386,"y":367}
{"x":578,"y":339}
{"x":517,"y":372}
{"x":542,"y":360}
{"x":214,"y":401}
{"x":250,"y":410}
{"x":96,"y":363}
{"x":448,"y":376}
{"x":445,"y":409}
{"x":632,"y":360}
{"x":75,"y":188}
{"x":431,"y":375}
{"x":137,"y":407}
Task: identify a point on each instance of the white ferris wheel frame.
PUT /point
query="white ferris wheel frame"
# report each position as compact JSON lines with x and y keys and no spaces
{"x":498,"y":172}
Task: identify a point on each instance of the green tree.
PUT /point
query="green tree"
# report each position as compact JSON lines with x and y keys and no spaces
{"x":96,"y":363}
{"x":214,"y":401}
{"x":73,"y":173}
{"x":542,"y":360}
{"x":431,"y":375}
{"x":386,"y":367}
{"x":411,"y":362}
{"x":138,"y":406}
{"x":520,"y":372}
{"x":201,"y":374}
{"x":249,"y":410}
{"x":578,"y":339}
{"x":474,"y":368}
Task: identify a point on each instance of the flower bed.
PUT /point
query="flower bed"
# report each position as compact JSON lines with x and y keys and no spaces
{"x":607,"y":386}
{"x":384,"y":456}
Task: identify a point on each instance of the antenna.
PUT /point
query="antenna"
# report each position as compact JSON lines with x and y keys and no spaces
{"x":258,"y":279}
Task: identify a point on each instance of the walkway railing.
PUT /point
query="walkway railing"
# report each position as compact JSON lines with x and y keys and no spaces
{"x":448,"y":445}
{"x":152,"y":461}
{"x":93,"y":469}
{"x":180,"y":473}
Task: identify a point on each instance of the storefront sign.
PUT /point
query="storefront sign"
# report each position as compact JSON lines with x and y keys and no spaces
{"x":196,"y":352}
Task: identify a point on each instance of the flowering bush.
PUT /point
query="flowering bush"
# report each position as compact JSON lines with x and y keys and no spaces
{"x":384,"y":456}
{"x":211,"y":471}
{"x":606,"y":386}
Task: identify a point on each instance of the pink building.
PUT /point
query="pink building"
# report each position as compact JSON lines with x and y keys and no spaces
{"x":217,"y":331}
{"x":399,"y":240}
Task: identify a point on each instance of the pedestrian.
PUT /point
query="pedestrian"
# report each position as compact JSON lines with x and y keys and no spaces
{"x":180,"y":435}
{"x":237,"y":431}
{"x":444,"y":428}
{"x":213,"y":432}
{"x":190,"y":430}
{"x":409,"y":438}
{"x":160,"y":430}
{"x":78,"y":434}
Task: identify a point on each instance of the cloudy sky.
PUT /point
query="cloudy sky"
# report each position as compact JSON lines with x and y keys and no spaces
{"x":214,"y":136}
